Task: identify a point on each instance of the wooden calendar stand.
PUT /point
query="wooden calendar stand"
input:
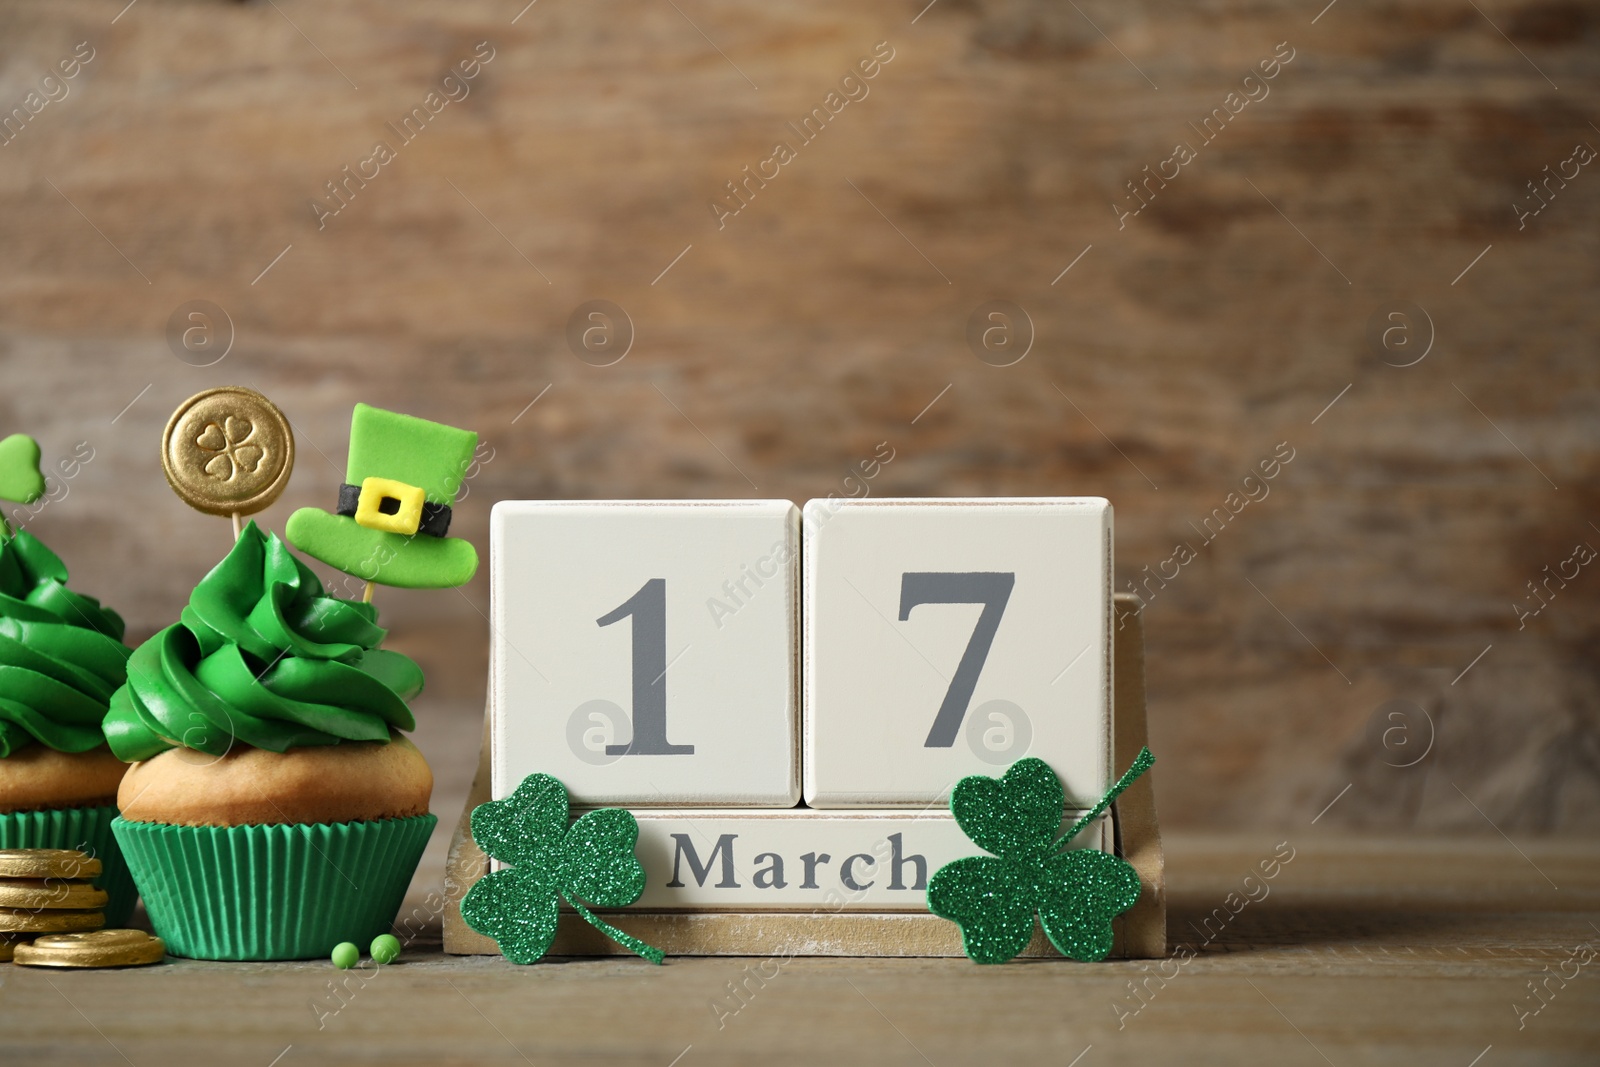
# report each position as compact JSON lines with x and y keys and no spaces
{"x":1141,"y":932}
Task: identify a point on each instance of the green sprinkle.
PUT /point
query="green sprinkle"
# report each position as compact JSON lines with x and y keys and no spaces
{"x":345,"y":955}
{"x":385,"y":948}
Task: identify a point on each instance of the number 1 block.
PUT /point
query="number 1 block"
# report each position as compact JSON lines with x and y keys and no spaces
{"x":644,"y":652}
{"x":952,"y":637}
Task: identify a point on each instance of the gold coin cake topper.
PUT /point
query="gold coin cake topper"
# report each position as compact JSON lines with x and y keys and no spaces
{"x":100,"y":948}
{"x":228,"y":451}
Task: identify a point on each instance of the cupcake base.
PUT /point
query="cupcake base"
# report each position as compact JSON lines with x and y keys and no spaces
{"x":88,"y":830}
{"x":284,"y":891}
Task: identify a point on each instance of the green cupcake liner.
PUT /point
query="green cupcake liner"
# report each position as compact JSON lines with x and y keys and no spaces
{"x":88,"y":830}
{"x":279,"y":892}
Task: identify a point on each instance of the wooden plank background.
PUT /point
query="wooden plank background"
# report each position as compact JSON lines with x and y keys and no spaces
{"x":772,"y":355}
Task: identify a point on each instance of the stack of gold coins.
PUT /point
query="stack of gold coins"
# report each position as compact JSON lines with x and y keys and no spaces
{"x":47,"y":891}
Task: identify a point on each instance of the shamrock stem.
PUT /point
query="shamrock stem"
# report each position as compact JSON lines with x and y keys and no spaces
{"x":1141,"y":763}
{"x":627,"y":941}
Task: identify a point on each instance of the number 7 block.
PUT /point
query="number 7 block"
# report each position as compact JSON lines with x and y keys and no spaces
{"x":952,"y":637}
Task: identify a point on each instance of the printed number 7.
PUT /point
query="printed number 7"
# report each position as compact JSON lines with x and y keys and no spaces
{"x":992,"y":589}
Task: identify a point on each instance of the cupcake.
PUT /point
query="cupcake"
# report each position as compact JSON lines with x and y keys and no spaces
{"x":61,"y":659}
{"x":274,"y":806}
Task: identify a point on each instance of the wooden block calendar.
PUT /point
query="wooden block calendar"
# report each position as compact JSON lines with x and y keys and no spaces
{"x":981,"y":631}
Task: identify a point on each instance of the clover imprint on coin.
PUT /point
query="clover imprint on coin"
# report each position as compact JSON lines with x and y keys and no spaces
{"x":228,"y":450}
{"x":234,"y":448}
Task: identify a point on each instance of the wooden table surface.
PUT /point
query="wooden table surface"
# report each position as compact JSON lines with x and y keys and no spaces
{"x":1360,"y":951}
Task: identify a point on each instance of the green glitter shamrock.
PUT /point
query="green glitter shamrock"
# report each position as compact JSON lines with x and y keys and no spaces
{"x":590,"y":860}
{"x":993,"y":899}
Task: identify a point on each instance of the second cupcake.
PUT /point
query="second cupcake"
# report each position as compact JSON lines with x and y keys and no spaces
{"x":274,"y":807}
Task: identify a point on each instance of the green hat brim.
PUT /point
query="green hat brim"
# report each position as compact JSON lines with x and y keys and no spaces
{"x":406,"y":561}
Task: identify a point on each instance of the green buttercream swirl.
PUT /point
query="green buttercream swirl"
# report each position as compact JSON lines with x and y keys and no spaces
{"x":61,"y":653}
{"x":262,"y":656}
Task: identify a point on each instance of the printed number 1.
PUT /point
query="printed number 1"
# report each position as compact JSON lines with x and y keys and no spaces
{"x":992,"y":589}
{"x":648,"y":607}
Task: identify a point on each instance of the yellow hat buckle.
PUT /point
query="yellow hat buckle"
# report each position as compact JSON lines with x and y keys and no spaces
{"x":389,"y":505}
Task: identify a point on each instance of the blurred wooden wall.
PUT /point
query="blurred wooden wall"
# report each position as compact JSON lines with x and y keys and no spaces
{"x":1188,"y":341}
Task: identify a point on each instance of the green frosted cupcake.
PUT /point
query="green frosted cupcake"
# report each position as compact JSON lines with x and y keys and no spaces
{"x":61,"y":658}
{"x":274,"y":808}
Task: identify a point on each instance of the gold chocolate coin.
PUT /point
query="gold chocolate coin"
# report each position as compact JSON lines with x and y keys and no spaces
{"x":29,"y":893}
{"x":99,"y":948}
{"x":48,"y":921}
{"x":8,"y":945}
{"x":228,"y":451}
{"x":47,"y":863}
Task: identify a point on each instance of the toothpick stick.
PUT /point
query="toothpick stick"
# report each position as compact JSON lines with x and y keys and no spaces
{"x":236,"y":530}
{"x":366,"y":594}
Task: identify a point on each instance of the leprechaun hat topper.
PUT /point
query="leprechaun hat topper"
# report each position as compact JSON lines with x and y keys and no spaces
{"x":394,"y":509}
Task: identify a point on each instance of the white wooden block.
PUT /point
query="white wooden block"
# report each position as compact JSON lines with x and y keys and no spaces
{"x":804,"y":860}
{"x":643,"y":652}
{"x":948,"y":637}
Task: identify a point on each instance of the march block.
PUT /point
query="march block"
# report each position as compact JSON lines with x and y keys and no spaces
{"x":804,"y":860}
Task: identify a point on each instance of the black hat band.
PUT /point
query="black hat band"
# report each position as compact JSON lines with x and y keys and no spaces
{"x":435,"y":517}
